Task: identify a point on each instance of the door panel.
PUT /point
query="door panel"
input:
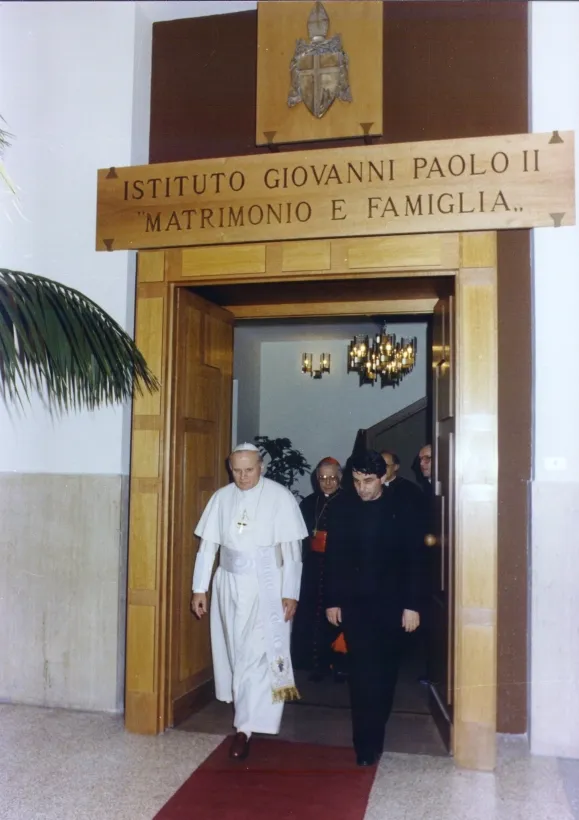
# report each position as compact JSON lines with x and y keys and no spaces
{"x":442,"y":552}
{"x":202,"y":383}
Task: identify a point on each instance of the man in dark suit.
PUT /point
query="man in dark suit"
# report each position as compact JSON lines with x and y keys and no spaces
{"x":373,"y":592}
{"x":312,"y":635}
{"x":403,"y":492}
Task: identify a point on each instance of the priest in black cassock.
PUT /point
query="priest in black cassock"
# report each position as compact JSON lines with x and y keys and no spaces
{"x":372,"y":592}
{"x":312,"y":634}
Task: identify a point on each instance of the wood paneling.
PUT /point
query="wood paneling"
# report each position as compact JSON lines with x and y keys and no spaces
{"x":149,"y":333}
{"x":146,"y":451}
{"x":442,"y":559}
{"x":141,"y":648}
{"x":425,"y":252}
{"x":427,"y":255}
{"x":515,"y":448}
{"x":438,"y":59}
{"x":203,"y":349}
{"x":303,"y":256}
{"x":151,"y":267}
{"x":476,"y":497}
{"x":223,"y":261}
{"x":147,"y":532}
{"x":451,"y":69}
{"x":279,"y":26}
{"x":483,"y":183}
{"x":144,"y":519}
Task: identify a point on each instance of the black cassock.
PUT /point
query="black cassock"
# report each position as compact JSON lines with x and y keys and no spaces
{"x":312,"y":634}
{"x":373,"y":573}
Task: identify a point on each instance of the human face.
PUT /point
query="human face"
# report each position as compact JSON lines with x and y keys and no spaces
{"x":329,"y":478}
{"x":246,"y":469}
{"x":368,"y":487}
{"x":425,"y":459}
{"x":391,"y":468}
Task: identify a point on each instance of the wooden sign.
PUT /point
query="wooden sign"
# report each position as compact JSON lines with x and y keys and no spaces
{"x":488,"y":183}
{"x":319,"y":70}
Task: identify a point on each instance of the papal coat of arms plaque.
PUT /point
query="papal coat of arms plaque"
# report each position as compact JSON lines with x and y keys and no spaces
{"x":319,"y":68}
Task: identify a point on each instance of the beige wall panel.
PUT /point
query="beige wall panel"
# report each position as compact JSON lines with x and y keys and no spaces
{"x":222,"y":261}
{"x":478,"y":683}
{"x":143,"y":541}
{"x":145,"y":456}
{"x":478,"y":251}
{"x":480,"y":306}
{"x":279,"y":26}
{"x":306,"y":256}
{"x":141,"y":713}
{"x":392,"y":252}
{"x":141,"y":649}
{"x":149,"y":338}
{"x":476,"y":462}
{"x":477,"y":580}
{"x":151,"y":266}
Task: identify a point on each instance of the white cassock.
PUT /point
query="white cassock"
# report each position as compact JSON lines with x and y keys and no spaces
{"x":258,"y":535}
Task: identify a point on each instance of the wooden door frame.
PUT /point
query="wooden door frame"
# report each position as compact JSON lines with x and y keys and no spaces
{"x":472,"y":259}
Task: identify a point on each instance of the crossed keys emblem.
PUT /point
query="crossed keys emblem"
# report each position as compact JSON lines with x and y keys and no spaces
{"x":319,"y":69}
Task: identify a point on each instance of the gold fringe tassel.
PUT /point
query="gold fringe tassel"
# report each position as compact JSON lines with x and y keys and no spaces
{"x":286,"y":693}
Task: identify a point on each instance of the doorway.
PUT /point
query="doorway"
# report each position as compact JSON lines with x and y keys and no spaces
{"x":168,"y":666}
{"x":321,"y":417}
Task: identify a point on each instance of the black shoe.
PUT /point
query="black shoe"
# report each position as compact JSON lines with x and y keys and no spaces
{"x":366,"y":758}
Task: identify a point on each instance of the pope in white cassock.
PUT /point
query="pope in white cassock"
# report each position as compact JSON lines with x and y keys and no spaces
{"x":257,"y":527}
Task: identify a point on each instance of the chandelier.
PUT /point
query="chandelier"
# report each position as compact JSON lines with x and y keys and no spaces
{"x":381,"y":357}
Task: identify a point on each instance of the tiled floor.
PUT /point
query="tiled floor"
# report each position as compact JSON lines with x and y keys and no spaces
{"x":57,"y":765}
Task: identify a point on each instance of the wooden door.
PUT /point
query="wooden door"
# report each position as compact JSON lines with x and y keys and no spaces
{"x":202,"y":385}
{"x":441,"y":670}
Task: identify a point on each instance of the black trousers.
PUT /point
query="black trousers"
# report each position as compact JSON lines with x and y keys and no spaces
{"x":374,"y":657}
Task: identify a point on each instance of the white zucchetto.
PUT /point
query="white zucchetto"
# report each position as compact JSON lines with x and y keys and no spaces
{"x":245,"y":447}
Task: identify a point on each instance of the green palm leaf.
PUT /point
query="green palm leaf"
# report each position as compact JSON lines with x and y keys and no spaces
{"x":59,"y":343}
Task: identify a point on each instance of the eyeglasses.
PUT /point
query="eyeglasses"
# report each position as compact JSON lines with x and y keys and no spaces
{"x":331,"y":478}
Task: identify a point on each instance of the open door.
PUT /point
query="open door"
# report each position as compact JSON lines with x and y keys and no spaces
{"x":442,"y":551}
{"x":202,"y":384}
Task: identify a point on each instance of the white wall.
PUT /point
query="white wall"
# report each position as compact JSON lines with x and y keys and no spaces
{"x":67,"y":83}
{"x":322,"y":417}
{"x":554,"y":691}
{"x":74,"y":91}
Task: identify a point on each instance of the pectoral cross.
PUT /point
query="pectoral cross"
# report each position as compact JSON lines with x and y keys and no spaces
{"x":242,"y":523}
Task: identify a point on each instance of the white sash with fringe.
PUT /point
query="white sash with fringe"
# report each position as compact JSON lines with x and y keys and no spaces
{"x":266,"y":565}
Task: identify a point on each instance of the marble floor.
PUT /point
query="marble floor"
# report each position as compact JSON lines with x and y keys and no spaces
{"x":60,"y":765}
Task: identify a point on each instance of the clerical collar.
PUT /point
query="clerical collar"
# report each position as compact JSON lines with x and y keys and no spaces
{"x":392,"y":480}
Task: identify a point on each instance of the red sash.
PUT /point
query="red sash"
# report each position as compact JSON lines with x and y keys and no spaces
{"x":318,"y":541}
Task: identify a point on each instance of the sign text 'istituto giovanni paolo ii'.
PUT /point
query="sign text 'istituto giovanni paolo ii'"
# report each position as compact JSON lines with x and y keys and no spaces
{"x":486,"y":183}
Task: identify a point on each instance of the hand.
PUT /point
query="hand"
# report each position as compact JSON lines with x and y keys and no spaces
{"x":334,"y":615}
{"x":410,"y":620}
{"x":199,"y":604}
{"x":289,"y":607}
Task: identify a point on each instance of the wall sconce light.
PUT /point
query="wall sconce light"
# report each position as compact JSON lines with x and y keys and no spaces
{"x":308,"y":365}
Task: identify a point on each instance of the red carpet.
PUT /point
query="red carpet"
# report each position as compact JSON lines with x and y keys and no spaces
{"x":278,"y":781}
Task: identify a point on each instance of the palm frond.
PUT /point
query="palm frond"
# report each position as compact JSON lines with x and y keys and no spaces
{"x":4,"y":138}
{"x":59,"y":343}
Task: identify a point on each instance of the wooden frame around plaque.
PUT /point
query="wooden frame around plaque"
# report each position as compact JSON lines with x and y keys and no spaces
{"x":280,"y":26}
